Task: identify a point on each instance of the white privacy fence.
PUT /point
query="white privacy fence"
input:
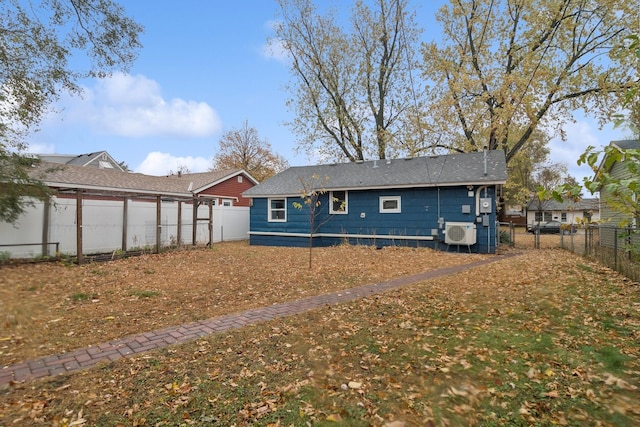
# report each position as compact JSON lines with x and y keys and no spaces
{"x":103,"y":226}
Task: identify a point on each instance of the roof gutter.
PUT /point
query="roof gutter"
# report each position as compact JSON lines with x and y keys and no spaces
{"x":386,"y":187}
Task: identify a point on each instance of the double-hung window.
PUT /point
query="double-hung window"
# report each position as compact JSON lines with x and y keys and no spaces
{"x":390,"y":204}
{"x":277,"y":210}
{"x":338,"y":201}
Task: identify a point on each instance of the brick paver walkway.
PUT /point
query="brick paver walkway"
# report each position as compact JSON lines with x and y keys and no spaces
{"x":134,"y":344}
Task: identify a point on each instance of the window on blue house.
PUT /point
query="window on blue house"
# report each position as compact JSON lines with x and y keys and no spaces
{"x":277,"y":210}
{"x":338,"y":202}
{"x":390,"y":204}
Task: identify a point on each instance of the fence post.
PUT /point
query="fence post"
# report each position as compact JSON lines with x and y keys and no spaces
{"x":179,"y":233}
{"x":512,"y":234}
{"x":125,"y":222}
{"x":586,"y":239}
{"x":615,"y":248}
{"x":158,"y":223}
{"x":45,"y":228}
{"x":79,"y":248}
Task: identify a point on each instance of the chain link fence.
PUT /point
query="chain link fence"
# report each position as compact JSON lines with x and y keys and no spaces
{"x":615,"y":247}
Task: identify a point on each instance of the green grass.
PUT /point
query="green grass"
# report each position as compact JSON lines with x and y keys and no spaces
{"x":143,"y":293}
{"x":82,"y":296}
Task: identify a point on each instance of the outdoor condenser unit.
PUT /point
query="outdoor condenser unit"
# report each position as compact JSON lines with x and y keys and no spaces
{"x":460,"y":233}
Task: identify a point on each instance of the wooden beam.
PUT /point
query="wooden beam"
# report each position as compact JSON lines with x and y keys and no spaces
{"x":210,"y":223}
{"x":79,"y":249}
{"x":158,"y":224}
{"x":45,"y":227}
{"x":125,"y":224}
{"x":195,"y":221}
{"x":179,"y":223}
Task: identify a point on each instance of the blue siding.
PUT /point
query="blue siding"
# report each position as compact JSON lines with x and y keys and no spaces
{"x":420,"y":210}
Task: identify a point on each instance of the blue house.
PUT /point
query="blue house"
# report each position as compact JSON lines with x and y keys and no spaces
{"x":444,"y":202}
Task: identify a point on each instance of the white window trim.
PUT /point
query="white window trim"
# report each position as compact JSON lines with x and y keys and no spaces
{"x":269,"y":210}
{"x":388,"y":198}
{"x":346,"y":204}
{"x":229,"y":201}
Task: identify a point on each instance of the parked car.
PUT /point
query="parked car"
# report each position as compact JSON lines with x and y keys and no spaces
{"x":553,"y":227}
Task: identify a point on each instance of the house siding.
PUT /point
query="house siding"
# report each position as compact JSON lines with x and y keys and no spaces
{"x":416,"y":225}
{"x":608,"y":215}
{"x":232,"y":189}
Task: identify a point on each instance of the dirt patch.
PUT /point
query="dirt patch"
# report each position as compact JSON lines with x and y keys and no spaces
{"x":53,"y":308}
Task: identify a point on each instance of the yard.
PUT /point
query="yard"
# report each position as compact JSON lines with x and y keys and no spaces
{"x":543,"y":338}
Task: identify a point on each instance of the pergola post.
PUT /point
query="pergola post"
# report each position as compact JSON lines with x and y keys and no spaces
{"x":45,"y":228}
{"x":79,"y":249}
{"x":211,"y":222}
{"x":179,"y":237}
{"x":125,"y":215}
{"x":195,"y":221}
{"x":158,"y":224}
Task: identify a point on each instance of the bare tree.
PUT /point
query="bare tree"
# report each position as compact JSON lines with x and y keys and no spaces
{"x":312,"y":189}
{"x":243,"y":149}
{"x":352,"y":90}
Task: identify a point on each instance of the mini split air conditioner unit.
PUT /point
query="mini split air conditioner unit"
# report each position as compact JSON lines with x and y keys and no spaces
{"x":460,"y":233}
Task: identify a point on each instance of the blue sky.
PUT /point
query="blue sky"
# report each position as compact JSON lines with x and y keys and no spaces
{"x":206,"y":68}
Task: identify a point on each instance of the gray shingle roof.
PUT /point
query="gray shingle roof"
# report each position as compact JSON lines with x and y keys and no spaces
{"x":627,"y":144}
{"x":447,"y":170}
{"x":566,"y":205}
{"x":95,"y":179}
{"x":87,"y":159}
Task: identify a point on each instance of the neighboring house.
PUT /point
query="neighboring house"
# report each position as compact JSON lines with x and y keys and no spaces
{"x":516,"y":215}
{"x":618,"y":171}
{"x":446,"y":202}
{"x":224,"y":186}
{"x":99,"y":159}
{"x":567,"y":211}
{"x":104,"y":209}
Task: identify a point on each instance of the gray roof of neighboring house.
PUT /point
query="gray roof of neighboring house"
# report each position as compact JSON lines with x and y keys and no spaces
{"x":110,"y":180}
{"x":57,"y":158}
{"x":627,"y":144}
{"x":79,"y":159}
{"x":565,"y":205}
{"x":445,"y":170}
{"x":624,"y":144}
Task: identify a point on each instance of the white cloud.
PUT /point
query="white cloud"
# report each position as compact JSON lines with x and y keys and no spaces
{"x":41,"y":148}
{"x":274,"y":48}
{"x":157,"y":163}
{"x":132,"y":106}
{"x":579,"y":136}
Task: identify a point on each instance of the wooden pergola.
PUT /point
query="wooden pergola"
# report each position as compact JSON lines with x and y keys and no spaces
{"x":81,"y":193}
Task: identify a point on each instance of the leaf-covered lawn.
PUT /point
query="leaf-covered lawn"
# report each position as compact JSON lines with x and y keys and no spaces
{"x":52,"y":308}
{"x":543,"y":338}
